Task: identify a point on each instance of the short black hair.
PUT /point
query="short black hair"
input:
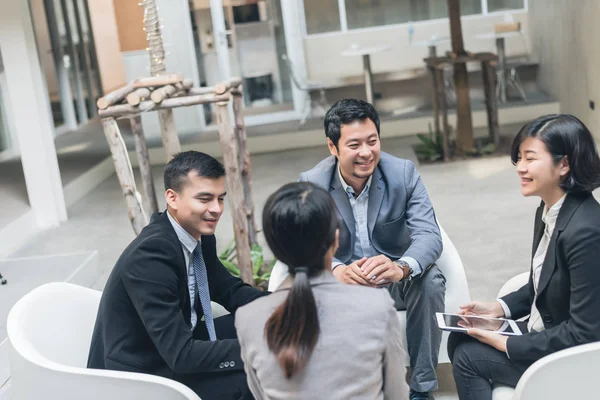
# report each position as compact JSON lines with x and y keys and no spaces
{"x":181,"y":164}
{"x":565,"y":135}
{"x":347,"y":111}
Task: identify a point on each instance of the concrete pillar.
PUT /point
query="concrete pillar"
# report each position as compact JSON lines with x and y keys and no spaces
{"x":30,"y":106}
{"x":294,"y":42}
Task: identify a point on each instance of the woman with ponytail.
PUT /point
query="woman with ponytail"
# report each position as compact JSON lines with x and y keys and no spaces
{"x":316,"y":338}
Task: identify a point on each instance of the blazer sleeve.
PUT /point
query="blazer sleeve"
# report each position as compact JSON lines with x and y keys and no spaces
{"x":426,"y":239}
{"x":582,"y":252}
{"x":394,"y":384}
{"x":519,"y":302}
{"x":225,"y":289}
{"x":152,"y":283}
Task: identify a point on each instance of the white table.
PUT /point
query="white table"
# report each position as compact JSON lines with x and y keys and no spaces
{"x":366,"y":52}
{"x":500,"y":37}
{"x":431,"y":44}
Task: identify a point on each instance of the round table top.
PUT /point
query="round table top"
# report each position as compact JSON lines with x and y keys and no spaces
{"x":432,"y":41}
{"x":494,"y":35}
{"x":362,"y":51}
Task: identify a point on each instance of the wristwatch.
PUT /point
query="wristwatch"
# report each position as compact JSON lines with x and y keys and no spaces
{"x":406,"y":269}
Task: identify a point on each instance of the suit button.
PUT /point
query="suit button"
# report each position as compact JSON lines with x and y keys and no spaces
{"x":548,"y":319}
{"x":221,"y":365}
{"x":232,"y":364}
{"x":226,"y":364}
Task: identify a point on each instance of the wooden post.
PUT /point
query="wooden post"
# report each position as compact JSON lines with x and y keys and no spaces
{"x":120,"y":157}
{"x":139,"y":95}
{"x":235,"y":192}
{"x":444,"y":107}
{"x":491,"y":106}
{"x":434,"y":100}
{"x":464,"y":125}
{"x":244,"y":161}
{"x":144,"y":162}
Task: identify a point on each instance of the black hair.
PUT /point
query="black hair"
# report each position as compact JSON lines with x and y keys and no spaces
{"x":177,"y":170}
{"x":347,"y":111}
{"x":299,"y":224}
{"x":565,"y":135}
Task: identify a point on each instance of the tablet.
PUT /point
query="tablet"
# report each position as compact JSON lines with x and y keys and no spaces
{"x":460,"y":323}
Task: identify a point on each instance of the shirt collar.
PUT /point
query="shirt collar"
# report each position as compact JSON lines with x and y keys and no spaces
{"x":349,"y":189}
{"x":187,"y":240}
{"x":549,"y":215}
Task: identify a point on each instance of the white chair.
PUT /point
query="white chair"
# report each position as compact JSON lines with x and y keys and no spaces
{"x":566,"y":374}
{"x":457,"y":289}
{"x":49,"y":333}
{"x":307,"y":86}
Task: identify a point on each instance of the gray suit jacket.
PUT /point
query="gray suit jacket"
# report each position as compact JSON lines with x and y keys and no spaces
{"x":358,"y":354}
{"x":400,"y":215}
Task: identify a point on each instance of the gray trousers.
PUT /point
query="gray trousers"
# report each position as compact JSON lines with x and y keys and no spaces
{"x":422,"y":297}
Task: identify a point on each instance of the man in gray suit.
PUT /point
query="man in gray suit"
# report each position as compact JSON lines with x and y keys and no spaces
{"x":388,"y":232}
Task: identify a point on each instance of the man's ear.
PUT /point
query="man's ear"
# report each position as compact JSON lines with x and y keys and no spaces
{"x":171,"y":198}
{"x":332,"y":148}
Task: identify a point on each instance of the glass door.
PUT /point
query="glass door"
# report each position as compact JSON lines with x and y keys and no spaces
{"x":246,"y":38}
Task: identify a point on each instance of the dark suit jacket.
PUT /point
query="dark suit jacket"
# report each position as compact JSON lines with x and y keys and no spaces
{"x":143,"y":322}
{"x":569,"y":286}
{"x":400,"y":216}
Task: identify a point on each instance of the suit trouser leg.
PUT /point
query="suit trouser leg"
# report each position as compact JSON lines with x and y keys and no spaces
{"x":423,"y":297}
{"x":477,"y":366}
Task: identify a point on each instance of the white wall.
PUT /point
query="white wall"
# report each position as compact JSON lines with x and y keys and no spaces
{"x":324,"y":61}
{"x":564,"y":38}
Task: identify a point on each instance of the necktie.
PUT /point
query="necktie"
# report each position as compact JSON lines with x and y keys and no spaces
{"x":203,"y":291}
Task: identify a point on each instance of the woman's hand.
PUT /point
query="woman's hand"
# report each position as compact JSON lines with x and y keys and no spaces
{"x":493,"y":339}
{"x":483,"y":309}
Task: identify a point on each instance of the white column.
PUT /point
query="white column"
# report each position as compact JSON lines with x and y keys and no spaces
{"x":28,"y":99}
{"x":220,"y":34}
{"x":294,"y":42}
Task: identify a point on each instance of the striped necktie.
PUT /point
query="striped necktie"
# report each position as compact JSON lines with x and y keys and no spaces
{"x":203,"y":291}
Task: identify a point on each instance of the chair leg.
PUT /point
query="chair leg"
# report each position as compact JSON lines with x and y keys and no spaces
{"x":516,"y":83}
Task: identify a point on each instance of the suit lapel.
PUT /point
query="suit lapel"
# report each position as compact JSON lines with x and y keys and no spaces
{"x":341,"y":201}
{"x":376,"y":192}
{"x":538,"y":230}
{"x":567,"y":210}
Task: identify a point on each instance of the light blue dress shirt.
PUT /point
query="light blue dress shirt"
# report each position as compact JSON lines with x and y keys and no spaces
{"x":362,"y":241}
{"x":188,"y":244}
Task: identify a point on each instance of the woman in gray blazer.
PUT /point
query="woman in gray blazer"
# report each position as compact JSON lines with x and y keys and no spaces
{"x":316,"y":338}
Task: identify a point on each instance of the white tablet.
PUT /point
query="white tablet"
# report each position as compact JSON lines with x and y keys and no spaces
{"x":460,"y":323}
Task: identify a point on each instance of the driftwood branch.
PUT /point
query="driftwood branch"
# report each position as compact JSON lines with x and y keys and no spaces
{"x":114,"y":97}
{"x":235,"y":192}
{"x":136,"y":97}
{"x":120,"y":157}
{"x":144,"y":162}
{"x":161,"y":80}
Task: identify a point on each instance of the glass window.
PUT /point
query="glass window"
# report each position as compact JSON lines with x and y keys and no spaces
{"x":321,"y":16}
{"x":500,"y":5}
{"x":370,"y":13}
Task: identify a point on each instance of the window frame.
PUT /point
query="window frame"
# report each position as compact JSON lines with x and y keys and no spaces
{"x":344,"y":20}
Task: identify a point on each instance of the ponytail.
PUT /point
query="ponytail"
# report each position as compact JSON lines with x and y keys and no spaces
{"x":293,"y":328}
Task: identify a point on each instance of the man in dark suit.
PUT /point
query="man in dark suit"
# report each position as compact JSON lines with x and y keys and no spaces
{"x":155,"y":315}
{"x":388,"y":232}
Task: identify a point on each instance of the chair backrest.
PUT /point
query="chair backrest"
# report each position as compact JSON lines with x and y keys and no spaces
{"x":566,"y":374}
{"x":49,"y":332}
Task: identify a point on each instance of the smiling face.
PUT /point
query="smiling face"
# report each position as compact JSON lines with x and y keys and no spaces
{"x":199,"y":204}
{"x":358,"y":152}
{"x":540,"y":175}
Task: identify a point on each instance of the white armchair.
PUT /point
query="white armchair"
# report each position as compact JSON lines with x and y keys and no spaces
{"x":566,"y":374}
{"x":457,"y":289}
{"x":49,"y":333}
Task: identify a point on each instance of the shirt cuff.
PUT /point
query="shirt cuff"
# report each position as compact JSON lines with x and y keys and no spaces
{"x":336,"y":263}
{"x":504,"y":307}
{"x":414,"y":264}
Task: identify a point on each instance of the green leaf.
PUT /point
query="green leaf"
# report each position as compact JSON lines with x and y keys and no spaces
{"x":488,"y":148}
{"x":229,"y":250}
{"x":231,"y":267}
{"x":425,"y":140}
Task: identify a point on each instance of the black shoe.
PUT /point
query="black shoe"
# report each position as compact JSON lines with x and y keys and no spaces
{"x":414,"y":395}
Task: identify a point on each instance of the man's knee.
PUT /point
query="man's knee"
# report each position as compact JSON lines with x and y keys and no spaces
{"x":432,"y":282}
